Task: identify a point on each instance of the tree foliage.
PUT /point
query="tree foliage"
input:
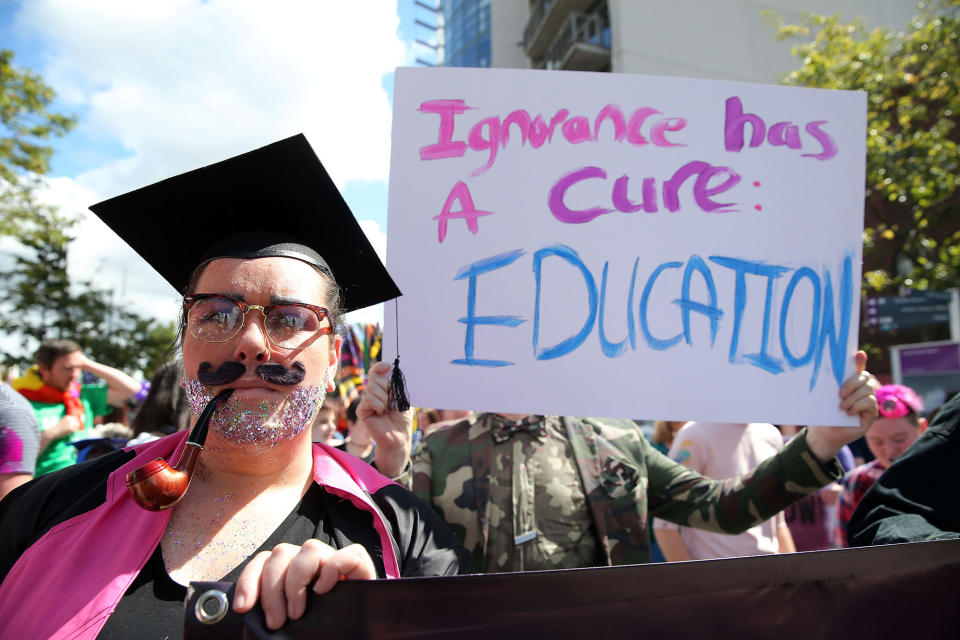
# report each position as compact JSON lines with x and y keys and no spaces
{"x":27,"y":121}
{"x":37,"y":298}
{"x":912,"y":79}
{"x":40,"y":302}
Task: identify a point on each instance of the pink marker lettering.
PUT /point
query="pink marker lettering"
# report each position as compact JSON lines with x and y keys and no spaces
{"x":613,"y":113}
{"x":445,"y":147}
{"x":467,"y":211}
{"x":648,"y":193}
{"x":538,"y":132}
{"x":558,"y":207}
{"x":557,"y":118}
{"x":636,"y":122}
{"x":702,"y":192}
{"x":784,"y":133}
{"x":735,"y":120}
{"x":829,"y":146}
{"x":576,"y":130}
{"x":657,"y":133}
{"x":480,"y":143}
{"x":520,"y":118}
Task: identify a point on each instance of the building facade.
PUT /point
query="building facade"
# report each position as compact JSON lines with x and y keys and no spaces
{"x":466,"y":33}
{"x":717,"y":39}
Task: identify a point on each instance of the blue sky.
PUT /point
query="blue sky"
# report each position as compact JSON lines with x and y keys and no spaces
{"x":162,"y":88}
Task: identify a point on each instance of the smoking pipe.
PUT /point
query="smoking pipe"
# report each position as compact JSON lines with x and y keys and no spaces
{"x":156,"y":485}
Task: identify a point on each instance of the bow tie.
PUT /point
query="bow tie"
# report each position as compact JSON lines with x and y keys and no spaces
{"x":504,"y":429}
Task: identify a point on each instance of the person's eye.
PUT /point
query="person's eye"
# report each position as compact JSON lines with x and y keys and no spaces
{"x":215,"y":317}
{"x":291,"y":318}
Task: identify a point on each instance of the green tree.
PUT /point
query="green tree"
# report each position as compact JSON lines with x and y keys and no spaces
{"x":27,"y":121}
{"x":38,"y":299}
{"x":912,"y":79}
{"x":27,"y":124}
{"x":40,"y":302}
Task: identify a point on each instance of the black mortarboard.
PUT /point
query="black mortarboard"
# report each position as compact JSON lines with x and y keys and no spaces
{"x":275,"y":201}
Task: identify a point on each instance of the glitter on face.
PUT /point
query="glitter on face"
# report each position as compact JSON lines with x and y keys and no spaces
{"x":261,"y":422}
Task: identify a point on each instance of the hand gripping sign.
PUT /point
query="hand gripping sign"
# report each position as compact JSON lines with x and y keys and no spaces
{"x":625,"y":246}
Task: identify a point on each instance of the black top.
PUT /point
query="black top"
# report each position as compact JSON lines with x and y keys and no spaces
{"x":153,"y":605}
{"x":916,"y":499}
{"x":426,"y":547}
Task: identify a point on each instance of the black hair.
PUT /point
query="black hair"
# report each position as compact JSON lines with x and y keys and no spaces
{"x":165,"y":409}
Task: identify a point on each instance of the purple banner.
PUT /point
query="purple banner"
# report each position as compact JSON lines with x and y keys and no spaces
{"x":942,"y":358}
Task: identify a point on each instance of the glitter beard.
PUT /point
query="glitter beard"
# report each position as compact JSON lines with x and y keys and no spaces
{"x":260,"y":422}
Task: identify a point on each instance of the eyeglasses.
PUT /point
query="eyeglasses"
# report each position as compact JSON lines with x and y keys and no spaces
{"x":216,"y":318}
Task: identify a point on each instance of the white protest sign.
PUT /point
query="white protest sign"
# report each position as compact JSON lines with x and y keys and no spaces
{"x":625,"y":246}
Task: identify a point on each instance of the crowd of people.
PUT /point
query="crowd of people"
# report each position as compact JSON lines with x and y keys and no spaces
{"x":311,"y":473}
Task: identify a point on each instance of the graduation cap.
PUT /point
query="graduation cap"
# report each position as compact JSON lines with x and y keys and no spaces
{"x":276,"y":201}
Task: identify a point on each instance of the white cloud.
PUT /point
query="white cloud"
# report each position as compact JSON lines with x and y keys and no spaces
{"x":181,"y":84}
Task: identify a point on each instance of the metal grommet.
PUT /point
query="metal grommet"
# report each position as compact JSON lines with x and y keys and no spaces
{"x":211,"y":606}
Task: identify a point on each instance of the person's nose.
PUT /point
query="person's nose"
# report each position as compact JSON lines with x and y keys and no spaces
{"x":251,"y":344}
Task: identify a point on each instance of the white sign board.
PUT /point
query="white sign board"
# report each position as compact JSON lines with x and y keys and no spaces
{"x":625,"y":246}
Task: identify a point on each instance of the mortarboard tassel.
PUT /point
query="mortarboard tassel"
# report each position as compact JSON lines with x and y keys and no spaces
{"x":397,"y":391}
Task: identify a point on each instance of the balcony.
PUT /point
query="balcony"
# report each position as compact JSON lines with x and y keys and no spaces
{"x":581,"y":44}
{"x":546,"y":17}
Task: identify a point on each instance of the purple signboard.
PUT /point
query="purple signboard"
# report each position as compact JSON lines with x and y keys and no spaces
{"x":930,"y":359}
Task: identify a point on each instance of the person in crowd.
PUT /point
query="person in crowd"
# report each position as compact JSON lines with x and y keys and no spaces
{"x":265,"y":508}
{"x":662,"y":438}
{"x":663,"y":434}
{"x":916,"y":498}
{"x":324,"y":427}
{"x":165,"y":409}
{"x":358,"y":442}
{"x":813,"y":520}
{"x":64,"y":408}
{"x":724,"y":450}
{"x":899,"y":425}
{"x":19,"y":439}
{"x":546,"y":492}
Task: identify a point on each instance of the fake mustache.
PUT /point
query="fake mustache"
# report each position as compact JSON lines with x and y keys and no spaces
{"x":229,"y":371}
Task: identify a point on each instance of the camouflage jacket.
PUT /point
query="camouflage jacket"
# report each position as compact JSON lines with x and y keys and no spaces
{"x":625,"y":480}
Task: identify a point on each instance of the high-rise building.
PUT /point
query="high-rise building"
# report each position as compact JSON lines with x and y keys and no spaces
{"x":720,"y":39}
{"x":466,"y":33}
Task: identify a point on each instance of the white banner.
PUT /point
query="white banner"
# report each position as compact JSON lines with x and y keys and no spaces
{"x":625,"y":246}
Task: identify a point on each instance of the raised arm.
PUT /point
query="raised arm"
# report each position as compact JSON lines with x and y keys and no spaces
{"x":120,"y":386}
{"x":390,"y":429}
{"x":805,"y":464}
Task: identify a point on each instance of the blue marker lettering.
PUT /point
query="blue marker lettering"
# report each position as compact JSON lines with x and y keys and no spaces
{"x":471,"y":271}
{"x":829,"y":332}
{"x":569,"y":344}
{"x":656,"y":343}
{"x":696,"y":264}
{"x":742,"y":267}
{"x":611,"y":349}
{"x":810,"y":274}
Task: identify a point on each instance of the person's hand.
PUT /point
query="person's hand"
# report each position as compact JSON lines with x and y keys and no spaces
{"x":66,"y":426}
{"x":280,"y":578}
{"x":85,"y":362}
{"x":857,"y":397}
{"x":390,"y":429}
